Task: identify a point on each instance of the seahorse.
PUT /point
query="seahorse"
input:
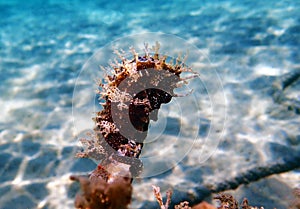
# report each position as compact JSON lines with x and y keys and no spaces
{"x":132,"y":93}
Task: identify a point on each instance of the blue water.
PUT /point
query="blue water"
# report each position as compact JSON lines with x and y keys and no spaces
{"x":45,"y":44}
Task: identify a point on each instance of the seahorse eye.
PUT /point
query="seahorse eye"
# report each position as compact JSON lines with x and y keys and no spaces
{"x":142,"y":59}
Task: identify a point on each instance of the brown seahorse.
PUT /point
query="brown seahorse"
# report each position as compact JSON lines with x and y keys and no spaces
{"x":131,"y":97}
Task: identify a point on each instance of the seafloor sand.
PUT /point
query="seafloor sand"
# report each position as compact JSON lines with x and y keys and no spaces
{"x":251,"y":45}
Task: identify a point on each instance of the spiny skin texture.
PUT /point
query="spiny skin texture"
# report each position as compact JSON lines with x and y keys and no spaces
{"x":131,"y":96}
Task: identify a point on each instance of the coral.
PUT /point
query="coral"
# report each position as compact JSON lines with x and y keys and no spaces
{"x":227,"y":201}
{"x":183,"y":205}
{"x":99,"y":194}
{"x":157,"y":194}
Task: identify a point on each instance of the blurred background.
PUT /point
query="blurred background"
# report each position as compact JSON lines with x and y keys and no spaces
{"x":252,"y":45}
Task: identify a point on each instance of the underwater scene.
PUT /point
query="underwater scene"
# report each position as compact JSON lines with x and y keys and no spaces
{"x":114,"y":104}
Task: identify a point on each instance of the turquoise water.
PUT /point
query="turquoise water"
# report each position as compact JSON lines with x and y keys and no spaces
{"x":251,"y":45}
